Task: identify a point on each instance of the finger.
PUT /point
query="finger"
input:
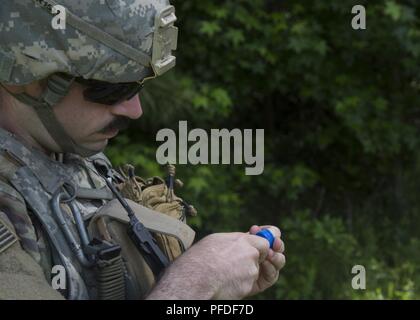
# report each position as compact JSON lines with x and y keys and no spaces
{"x":255,"y":229}
{"x":274,"y":230}
{"x":268,"y":273}
{"x":268,"y":276}
{"x":261,"y":245}
{"x":278,"y":260}
{"x":278,"y":245}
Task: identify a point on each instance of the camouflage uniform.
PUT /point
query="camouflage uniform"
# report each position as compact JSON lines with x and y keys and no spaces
{"x":116,"y":41}
{"x":25,"y":266}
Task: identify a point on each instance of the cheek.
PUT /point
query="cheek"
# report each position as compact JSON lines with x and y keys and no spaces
{"x":79,"y":117}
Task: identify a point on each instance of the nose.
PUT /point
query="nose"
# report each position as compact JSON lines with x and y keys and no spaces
{"x":130,"y":108}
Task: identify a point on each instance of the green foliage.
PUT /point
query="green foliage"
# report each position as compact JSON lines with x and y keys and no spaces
{"x":340,"y":109}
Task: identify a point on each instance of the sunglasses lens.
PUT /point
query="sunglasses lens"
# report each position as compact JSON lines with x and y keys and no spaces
{"x":109,"y":93}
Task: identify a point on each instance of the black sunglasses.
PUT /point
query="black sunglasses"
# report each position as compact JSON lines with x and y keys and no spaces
{"x":108,"y":93}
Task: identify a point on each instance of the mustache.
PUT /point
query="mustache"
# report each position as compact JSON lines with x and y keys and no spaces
{"x":120,"y":123}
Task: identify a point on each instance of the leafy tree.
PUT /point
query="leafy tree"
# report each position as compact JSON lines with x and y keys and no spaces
{"x":340,"y":109}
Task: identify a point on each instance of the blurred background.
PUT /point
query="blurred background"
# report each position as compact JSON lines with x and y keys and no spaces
{"x":341,"y":114}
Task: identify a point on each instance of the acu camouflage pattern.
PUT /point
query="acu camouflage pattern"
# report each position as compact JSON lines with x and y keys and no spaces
{"x":25,"y":194}
{"x":30,"y":49}
{"x":49,"y":175}
{"x":13,"y":206}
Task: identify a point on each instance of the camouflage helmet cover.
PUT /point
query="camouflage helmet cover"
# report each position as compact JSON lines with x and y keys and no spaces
{"x":108,"y":40}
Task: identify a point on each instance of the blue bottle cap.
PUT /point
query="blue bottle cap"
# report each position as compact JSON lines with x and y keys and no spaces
{"x":265,"y":233}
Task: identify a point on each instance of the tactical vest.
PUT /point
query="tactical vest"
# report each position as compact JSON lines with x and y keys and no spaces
{"x":120,"y":274}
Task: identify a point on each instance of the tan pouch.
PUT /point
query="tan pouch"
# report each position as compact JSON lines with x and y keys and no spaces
{"x":154,"y":194}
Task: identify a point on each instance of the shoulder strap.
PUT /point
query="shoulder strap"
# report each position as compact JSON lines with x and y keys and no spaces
{"x":13,"y":205}
{"x":153,"y":220}
{"x":29,"y":179}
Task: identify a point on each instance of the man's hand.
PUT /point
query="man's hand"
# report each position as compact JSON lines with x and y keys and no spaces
{"x":224,"y":266}
{"x":269,"y":269}
{"x":255,"y":271}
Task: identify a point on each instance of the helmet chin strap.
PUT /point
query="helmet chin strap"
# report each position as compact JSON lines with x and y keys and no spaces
{"x":58,"y":87}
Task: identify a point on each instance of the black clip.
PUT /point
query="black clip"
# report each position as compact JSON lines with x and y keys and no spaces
{"x":137,"y":231}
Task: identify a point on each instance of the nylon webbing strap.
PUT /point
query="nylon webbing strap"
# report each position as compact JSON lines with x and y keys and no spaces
{"x":51,"y":123}
{"x":100,"y":194}
{"x":57,"y":88}
{"x":26,"y":183}
{"x":152,"y":220}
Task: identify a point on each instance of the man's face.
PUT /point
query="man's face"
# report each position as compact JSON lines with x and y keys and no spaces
{"x":89,"y":124}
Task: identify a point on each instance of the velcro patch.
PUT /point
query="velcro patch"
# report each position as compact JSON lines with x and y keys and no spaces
{"x":7,"y":237}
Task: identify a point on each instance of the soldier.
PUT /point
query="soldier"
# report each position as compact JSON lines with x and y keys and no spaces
{"x":71,"y":226}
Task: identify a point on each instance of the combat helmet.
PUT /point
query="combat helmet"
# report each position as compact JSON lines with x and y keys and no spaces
{"x":122,"y":42}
